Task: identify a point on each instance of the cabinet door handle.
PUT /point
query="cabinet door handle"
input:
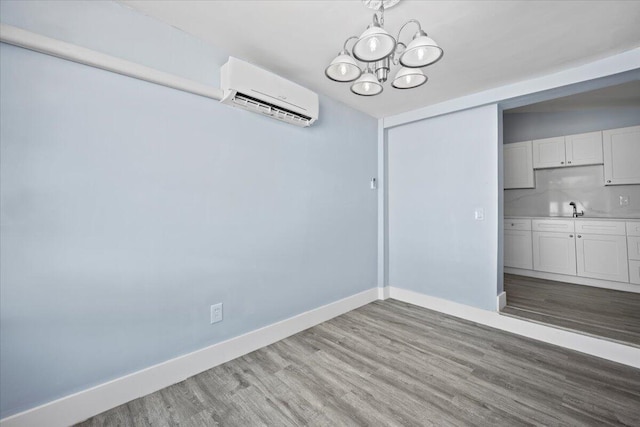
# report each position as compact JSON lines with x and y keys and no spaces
{"x":579,"y":236}
{"x":562,"y":163}
{"x":569,"y":162}
{"x":570,"y":235}
{"x":608,"y":180}
{"x":513,"y":225}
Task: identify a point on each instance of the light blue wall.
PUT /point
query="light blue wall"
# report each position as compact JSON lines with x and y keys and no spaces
{"x":128,"y":208}
{"x":527,"y":126}
{"x":555,"y":188}
{"x":115,"y":29}
{"x":440,"y":170}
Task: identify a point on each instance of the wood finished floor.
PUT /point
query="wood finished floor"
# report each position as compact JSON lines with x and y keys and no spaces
{"x":606,"y":313}
{"x":390,"y":364}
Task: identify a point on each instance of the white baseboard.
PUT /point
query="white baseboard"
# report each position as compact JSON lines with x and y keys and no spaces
{"x":87,"y":403}
{"x":604,"y":349}
{"x":502,"y":300}
{"x":383,"y":293}
{"x":576,"y":280}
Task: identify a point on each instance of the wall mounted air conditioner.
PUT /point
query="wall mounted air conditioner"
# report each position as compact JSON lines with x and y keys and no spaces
{"x":254,"y":89}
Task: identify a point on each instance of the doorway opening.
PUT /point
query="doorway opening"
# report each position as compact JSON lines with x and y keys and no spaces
{"x":572,"y":212}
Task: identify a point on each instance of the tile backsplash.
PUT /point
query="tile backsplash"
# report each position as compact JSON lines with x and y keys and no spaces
{"x":555,"y":188}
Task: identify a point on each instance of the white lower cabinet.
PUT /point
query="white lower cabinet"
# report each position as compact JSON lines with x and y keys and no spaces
{"x":518,"y":249}
{"x":634,"y":272}
{"x":633,"y":247}
{"x":607,"y":250}
{"x":602,"y":257}
{"x":554,"y":252}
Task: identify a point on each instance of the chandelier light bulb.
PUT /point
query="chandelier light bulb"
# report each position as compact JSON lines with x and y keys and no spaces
{"x":407,"y":79}
{"x":343,"y":69}
{"x":373,"y":44}
{"x":420,"y":54}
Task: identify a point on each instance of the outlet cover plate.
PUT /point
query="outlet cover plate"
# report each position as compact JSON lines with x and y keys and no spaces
{"x":216,"y":313}
{"x":624,"y":200}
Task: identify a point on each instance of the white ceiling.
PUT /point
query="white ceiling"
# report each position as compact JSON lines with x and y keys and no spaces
{"x":486,"y":43}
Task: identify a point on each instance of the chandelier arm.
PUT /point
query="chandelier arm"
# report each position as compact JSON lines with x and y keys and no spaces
{"x":347,"y":41}
{"x":381,"y":12}
{"x":397,"y":51}
{"x":407,"y":23}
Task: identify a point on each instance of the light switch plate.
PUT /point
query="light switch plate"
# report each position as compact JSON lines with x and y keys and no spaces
{"x":479,"y":214}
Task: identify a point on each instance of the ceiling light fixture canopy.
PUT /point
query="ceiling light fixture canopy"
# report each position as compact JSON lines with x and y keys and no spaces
{"x":378,"y":50}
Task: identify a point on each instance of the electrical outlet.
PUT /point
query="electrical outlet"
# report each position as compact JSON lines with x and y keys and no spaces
{"x":624,"y":200}
{"x":216,"y":313}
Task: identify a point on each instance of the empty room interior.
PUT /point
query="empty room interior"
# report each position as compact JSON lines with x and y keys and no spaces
{"x":322,"y":213}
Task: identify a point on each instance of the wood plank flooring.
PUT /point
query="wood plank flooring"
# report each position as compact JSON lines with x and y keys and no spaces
{"x":394,"y":364}
{"x":614,"y":315}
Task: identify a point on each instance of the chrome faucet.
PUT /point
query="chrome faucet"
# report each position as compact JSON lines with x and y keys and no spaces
{"x":575,"y":211}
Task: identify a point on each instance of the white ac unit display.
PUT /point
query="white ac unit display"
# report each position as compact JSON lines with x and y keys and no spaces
{"x":254,"y":89}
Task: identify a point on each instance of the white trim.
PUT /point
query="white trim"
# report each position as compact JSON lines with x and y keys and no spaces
{"x":36,"y":42}
{"x":502,"y":300}
{"x":87,"y":403}
{"x":604,"y":349}
{"x":576,"y":280}
{"x":607,"y":67}
{"x":382,"y":195}
{"x":383,"y":293}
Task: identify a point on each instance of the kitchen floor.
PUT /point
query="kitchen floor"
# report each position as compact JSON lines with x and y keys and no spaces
{"x":614,"y":315}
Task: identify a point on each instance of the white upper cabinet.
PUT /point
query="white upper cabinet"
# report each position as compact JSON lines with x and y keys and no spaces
{"x":549,"y":153}
{"x":584,"y":149}
{"x":518,"y":165}
{"x":571,"y":150}
{"x":621,"y":156}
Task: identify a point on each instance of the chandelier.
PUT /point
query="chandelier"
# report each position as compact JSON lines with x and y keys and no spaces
{"x":377,"y":49}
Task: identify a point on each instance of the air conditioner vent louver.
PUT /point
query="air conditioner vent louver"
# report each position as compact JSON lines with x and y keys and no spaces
{"x":271,"y":95}
{"x":249,"y":102}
